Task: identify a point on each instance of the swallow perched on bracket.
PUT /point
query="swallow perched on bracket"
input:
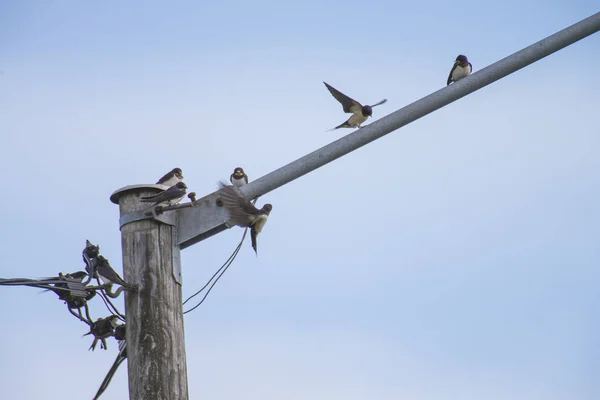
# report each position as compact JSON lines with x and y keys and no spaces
{"x":172,"y":195}
{"x":238,"y":178}
{"x":243,"y":213}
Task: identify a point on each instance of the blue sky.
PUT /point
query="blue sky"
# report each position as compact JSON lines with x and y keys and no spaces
{"x":455,"y":258}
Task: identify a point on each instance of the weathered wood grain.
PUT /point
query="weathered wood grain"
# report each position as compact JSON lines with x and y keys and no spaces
{"x":155,"y":337}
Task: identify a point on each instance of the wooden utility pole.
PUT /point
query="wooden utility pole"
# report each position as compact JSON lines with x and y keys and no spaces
{"x":155,"y":338}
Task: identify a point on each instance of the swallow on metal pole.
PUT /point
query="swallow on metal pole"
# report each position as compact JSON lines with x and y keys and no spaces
{"x":243,"y":213}
{"x":461,"y":68}
{"x":238,"y":178}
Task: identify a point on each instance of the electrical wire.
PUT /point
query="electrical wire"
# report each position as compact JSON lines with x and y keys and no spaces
{"x":219,"y":272}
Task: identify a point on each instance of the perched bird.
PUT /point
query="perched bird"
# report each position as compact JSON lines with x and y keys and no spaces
{"x":108,"y":275}
{"x":102,"y":329}
{"x":238,"y":178}
{"x":243,"y":213}
{"x":171,"y":178}
{"x":359,"y":112}
{"x":461,"y":68}
{"x":172,"y":195}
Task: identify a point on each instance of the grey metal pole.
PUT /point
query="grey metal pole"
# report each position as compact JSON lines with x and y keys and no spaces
{"x":156,"y":359}
{"x":422,"y":107}
{"x":205,"y":218}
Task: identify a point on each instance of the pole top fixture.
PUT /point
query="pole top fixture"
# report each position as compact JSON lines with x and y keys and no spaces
{"x":116,"y":195}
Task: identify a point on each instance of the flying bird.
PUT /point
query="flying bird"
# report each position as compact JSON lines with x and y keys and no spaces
{"x":243,"y":213}
{"x":172,"y":195}
{"x":238,"y":178}
{"x":171,"y":178}
{"x":461,"y":68}
{"x":359,"y":112}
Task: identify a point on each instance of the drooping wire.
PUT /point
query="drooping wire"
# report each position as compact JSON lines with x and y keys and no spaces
{"x":111,"y":372}
{"x":111,"y":307}
{"x":219,"y":272}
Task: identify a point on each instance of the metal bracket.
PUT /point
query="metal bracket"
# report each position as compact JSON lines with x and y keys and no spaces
{"x":205,"y":218}
{"x":168,"y":218}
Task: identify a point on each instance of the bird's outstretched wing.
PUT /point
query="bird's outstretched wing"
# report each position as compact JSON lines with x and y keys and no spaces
{"x":349,"y":104}
{"x":240,"y":210}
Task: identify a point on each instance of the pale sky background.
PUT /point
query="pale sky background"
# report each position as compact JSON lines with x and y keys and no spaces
{"x":456,"y":258}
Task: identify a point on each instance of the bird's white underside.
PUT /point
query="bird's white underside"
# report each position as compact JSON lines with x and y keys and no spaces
{"x":261,"y":220}
{"x":460,"y":72}
{"x":356,"y":120}
{"x":171,"y":181}
{"x":238,"y":182}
